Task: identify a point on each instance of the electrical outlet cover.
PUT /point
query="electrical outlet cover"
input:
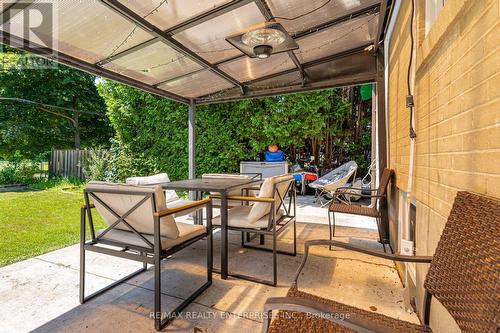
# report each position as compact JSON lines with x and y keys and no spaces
{"x":406,"y":247}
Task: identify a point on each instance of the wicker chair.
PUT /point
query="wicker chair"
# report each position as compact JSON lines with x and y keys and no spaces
{"x":464,"y":276}
{"x":377,"y":209}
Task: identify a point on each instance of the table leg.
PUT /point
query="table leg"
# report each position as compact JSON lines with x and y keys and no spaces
{"x":199,"y":217}
{"x":223,"y":222}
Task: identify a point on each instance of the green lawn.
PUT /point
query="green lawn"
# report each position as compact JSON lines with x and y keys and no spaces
{"x":35,"y":222}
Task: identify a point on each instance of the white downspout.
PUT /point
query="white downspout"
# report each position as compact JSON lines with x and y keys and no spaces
{"x":387,"y":40}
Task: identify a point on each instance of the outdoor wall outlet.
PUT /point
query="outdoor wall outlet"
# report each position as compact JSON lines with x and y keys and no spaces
{"x":409,"y":101}
{"x":406,"y":247}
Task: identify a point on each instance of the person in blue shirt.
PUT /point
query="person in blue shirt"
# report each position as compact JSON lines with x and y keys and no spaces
{"x":274,"y":154}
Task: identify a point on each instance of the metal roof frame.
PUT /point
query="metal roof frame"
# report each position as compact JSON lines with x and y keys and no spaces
{"x":354,"y":78}
{"x":123,"y":10}
{"x":65,"y":59}
{"x":298,"y":36}
{"x":245,"y":89}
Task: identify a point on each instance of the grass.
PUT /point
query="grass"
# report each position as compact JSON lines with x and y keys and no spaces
{"x":40,"y":220}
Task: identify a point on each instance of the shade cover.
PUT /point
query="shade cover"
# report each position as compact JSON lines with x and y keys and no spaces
{"x":177,"y":48}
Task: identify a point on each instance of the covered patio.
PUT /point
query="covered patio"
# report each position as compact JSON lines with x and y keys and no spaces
{"x":202,"y":52}
{"x":181,"y":50}
{"x":46,"y":287}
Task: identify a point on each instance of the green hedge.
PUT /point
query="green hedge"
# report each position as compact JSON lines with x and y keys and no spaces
{"x":151,"y":132}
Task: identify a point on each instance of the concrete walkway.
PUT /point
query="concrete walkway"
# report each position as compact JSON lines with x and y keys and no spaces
{"x":41,"y":294}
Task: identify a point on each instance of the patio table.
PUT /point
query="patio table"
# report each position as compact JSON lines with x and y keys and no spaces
{"x":221,"y":186}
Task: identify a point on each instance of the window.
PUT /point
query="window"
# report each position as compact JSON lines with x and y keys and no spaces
{"x":432,"y":10}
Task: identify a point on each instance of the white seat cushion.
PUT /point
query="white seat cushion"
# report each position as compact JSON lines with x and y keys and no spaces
{"x":238,"y":217}
{"x":141,"y":218}
{"x":170,"y":195}
{"x":186,"y":232}
{"x":181,"y":202}
{"x":260,"y":209}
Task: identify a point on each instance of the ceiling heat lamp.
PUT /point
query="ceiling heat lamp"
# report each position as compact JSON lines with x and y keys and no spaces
{"x":260,"y":41}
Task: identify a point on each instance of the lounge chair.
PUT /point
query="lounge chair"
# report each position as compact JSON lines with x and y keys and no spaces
{"x":269,"y":215}
{"x":140,"y":228}
{"x":359,"y":186}
{"x":377,"y":209}
{"x":173,"y":200}
{"x":326,"y":185}
{"x":463,"y":276}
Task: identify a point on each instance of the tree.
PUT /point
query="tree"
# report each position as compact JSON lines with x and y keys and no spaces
{"x":48,"y":108}
{"x":151,"y":131}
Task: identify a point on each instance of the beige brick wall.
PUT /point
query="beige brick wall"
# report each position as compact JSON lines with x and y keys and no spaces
{"x":457,"y":99}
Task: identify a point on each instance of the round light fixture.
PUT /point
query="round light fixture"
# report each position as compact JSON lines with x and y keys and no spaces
{"x":263,"y":40}
{"x":263,"y":51}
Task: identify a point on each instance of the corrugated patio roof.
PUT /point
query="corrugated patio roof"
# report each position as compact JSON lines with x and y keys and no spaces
{"x":177,"y":48}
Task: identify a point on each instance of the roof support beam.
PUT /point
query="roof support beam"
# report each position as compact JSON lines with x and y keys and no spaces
{"x":384,"y":10}
{"x":210,"y":14}
{"x":23,"y":44}
{"x":320,"y":27}
{"x":128,"y":51}
{"x":264,"y":9}
{"x":336,"y":21}
{"x":313,"y":63}
{"x":353,"y":79}
{"x":167,"y":39}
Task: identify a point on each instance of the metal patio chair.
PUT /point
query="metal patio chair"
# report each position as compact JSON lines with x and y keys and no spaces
{"x":463,"y":276}
{"x":140,"y":228}
{"x":377,"y":209}
{"x":326,"y":185}
{"x":269,"y":215}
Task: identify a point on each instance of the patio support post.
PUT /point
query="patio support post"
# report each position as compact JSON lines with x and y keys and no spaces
{"x":192,"y":144}
{"x":382,"y":142}
{"x":381,"y":123}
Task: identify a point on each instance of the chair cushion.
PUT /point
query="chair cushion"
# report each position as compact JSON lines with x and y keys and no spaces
{"x":287,"y":321}
{"x":232,"y":192}
{"x":353,"y":209}
{"x":186,"y":232}
{"x":238,"y":217}
{"x":170,"y":195}
{"x":181,"y":202}
{"x":261,"y":209}
{"x":142,"y":217}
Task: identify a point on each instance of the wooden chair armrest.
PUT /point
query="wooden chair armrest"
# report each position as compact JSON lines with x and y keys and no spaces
{"x":243,"y":198}
{"x":170,"y":211}
{"x":319,"y":310}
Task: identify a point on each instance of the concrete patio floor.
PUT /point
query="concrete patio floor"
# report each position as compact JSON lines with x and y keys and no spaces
{"x":41,"y":294}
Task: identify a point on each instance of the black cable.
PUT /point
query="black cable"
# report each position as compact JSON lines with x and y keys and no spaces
{"x":412,"y":130}
{"x":302,"y":15}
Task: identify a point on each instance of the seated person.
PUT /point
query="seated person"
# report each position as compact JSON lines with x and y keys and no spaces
{"x":274,"y":154}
